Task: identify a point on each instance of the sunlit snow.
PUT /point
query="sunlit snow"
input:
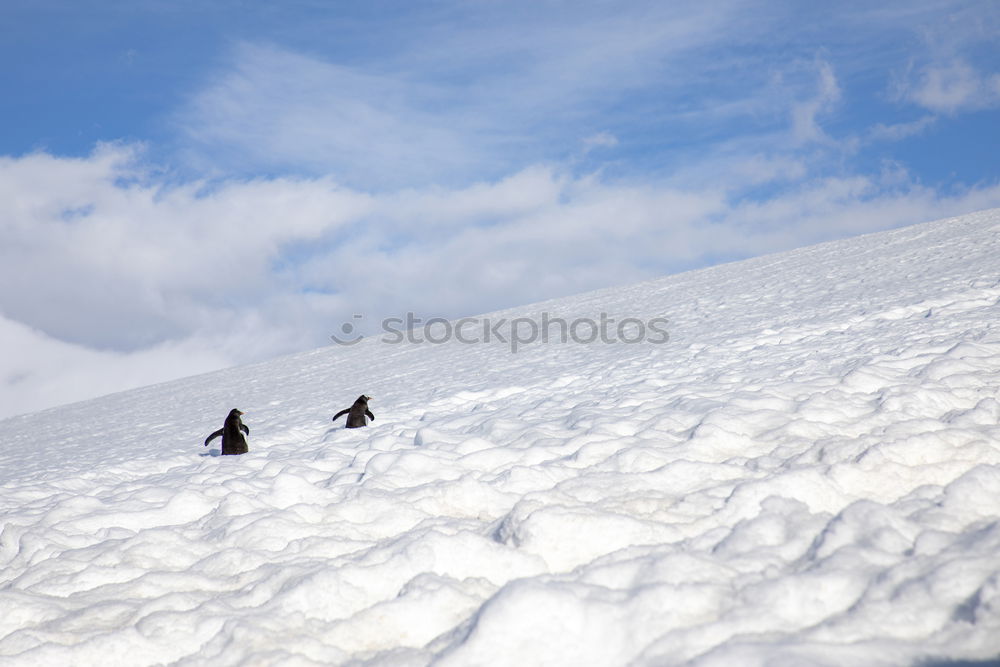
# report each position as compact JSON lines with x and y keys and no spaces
{"x":806,"y":473}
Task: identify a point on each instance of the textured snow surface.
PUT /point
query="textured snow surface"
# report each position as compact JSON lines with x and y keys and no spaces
{"x":807,"y":473}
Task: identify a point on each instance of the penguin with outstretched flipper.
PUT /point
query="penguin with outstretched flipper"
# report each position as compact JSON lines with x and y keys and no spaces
{"x":356,"y":413}
{"x":233,"y":440}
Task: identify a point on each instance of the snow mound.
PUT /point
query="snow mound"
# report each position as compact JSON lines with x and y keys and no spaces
{"x":806,"y":473}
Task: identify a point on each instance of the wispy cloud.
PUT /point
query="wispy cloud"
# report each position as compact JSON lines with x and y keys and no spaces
{"x":899,"y":131}
{"x":956,"y":70}
{"x":280,"y":110}
{"x":805,"y":125}
{"x":478,"y":90}
{"x":479,"y":99}
{"x":600,"y":140}
{"x":952,"y":87}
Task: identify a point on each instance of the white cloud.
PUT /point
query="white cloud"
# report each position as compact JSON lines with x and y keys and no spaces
{"x":953,"y":87}
{"x":805,"y":127}
{"x":600,"y":140}
{"x":46,"y":372}
{"x":900,"y":131}
{"x":114,"y":259}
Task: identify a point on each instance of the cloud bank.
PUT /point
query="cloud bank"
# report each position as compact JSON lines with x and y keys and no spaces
{"x":110,"y":271}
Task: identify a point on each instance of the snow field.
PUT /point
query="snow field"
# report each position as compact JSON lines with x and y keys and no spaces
{"x":808,"y":472}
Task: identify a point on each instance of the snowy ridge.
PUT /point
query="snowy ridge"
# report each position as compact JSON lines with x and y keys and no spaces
{"x":807,"y":473}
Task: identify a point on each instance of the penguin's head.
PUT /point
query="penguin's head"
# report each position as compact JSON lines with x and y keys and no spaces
{"x":363,"y":399}
{"x":235,"y":413}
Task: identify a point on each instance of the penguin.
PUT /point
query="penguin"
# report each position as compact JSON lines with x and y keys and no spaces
{"x":356,"y":413}
{"x":233,"y":441}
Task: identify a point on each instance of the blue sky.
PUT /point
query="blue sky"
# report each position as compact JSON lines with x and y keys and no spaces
{"x":498,"y":84}
{"x":190,"y":185}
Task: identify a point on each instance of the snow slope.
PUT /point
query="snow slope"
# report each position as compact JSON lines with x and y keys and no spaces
{"x":807,"y":473}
